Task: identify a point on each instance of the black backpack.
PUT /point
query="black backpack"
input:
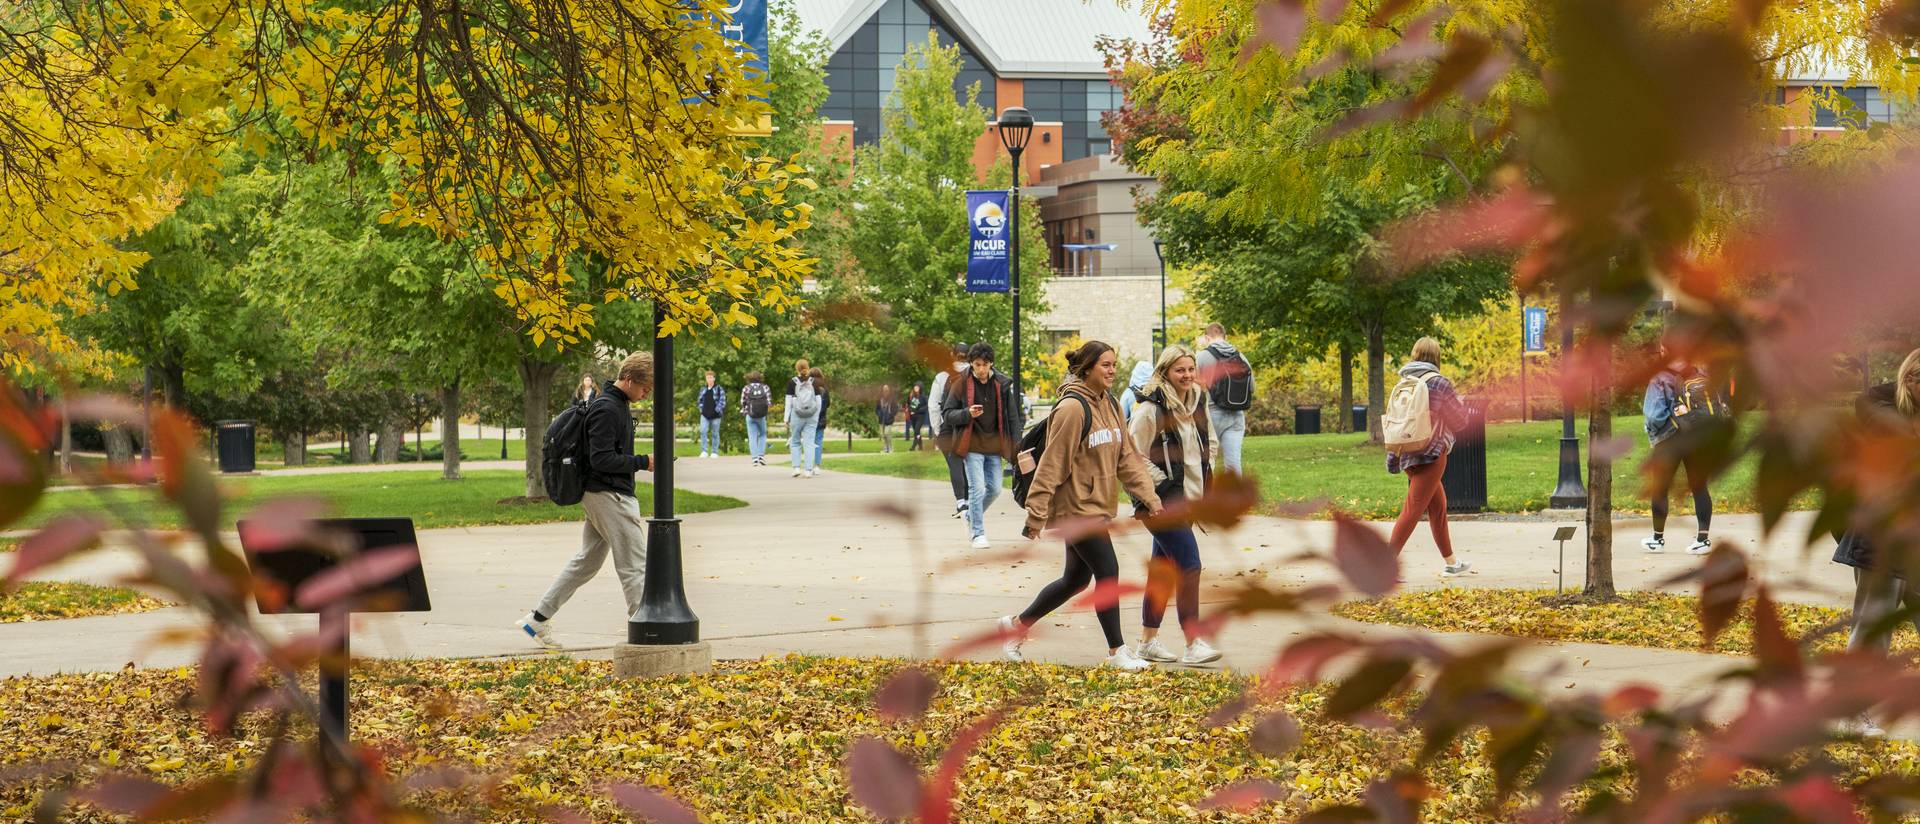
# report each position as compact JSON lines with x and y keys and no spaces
{"x":1232,"y":387}
{"x":1035,"y":441}
{"x":1697,"y":403}
{"x":564,"y":466}
{"x":759,"y":399}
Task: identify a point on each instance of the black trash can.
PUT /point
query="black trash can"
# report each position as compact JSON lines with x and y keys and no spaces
{"x":1466,"y":477}
{"x":234,"y":441}
{"x":1306,"y":420}
{"x":1359,"y":419}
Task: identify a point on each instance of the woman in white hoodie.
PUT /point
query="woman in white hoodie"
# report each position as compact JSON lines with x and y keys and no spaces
{"x":1170,"y":427}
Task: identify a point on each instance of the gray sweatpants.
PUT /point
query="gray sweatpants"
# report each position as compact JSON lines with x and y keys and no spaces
{"x":613,"y":525}
{"x":1873,"y":600}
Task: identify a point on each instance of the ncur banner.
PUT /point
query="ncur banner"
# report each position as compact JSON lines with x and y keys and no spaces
{"x":989,"y":236}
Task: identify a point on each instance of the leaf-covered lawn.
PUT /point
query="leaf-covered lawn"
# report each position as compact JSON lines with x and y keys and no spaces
{"x":1640,"y":619}
{"x":52,"y":600}
{"x":479,"y":498}
{"x":765,"y":740}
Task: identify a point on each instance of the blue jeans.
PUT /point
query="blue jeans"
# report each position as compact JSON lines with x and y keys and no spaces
{"x":983,"y":486}
{"x":800,"y":440}
{"x":819,"y":442}
{"x":709,"y":434}
{"x":1229,"y":429}
{"x":1181,"y":582}
{"x":757,"y":437}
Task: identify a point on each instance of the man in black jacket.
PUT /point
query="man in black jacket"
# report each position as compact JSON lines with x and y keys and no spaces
{"x":985,"y":421}
{"x":613,"y":513}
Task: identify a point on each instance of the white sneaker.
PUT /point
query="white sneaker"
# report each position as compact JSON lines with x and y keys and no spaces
{"x":1011,"y":647}
{"x":1152,"y":650}
{"x":1453,"y":569}
{"x":703,"y":454}
{"x":798,"y":472}
{"x":540,"y":631}
{"x":980,"y":542}
{"x":1655,"y":543}
{"x":1200,"y":652}
{"x":1700,"y":548}
{"x":811,"y":473}
{"x":1124,"y":660}
{"x":959,"y":509}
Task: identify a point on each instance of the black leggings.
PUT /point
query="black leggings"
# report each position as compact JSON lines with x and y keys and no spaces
{"x":1089,"y":559}
{"x":957,"y":475}
{"x":1696,"y":481}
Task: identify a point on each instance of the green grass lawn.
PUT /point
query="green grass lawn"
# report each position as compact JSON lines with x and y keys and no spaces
{"x":1522,"y":468}
{"x":477,"y":499}
{"x":686,"y":446}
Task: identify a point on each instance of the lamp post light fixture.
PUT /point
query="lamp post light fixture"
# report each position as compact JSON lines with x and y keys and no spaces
{"x":1570,"y":493}
{"x":1159,"y":254}
{"x":1016,"y":128}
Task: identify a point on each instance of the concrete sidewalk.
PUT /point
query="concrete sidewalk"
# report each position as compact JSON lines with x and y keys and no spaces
{"x":814,"y":566}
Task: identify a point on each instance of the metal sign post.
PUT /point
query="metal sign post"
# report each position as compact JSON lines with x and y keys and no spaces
{"x":1563,"y":535}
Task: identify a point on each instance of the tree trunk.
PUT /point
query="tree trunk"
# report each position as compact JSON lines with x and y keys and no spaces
{"x":119,"y":445}
{"x":387,"y":449}
{"x":1376,"y":381}
{"x":293,"y":449}
{"x":173,"y":383}
{"x":1600,"y":480}
{"x":360,"y":447}
{"x":66,"y":439}
{"x":536,"y":381}
{"x":450,"y":431}
{"x":1345,"y":418}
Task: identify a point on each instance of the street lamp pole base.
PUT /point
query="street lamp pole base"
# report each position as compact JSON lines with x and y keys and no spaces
{"x":664,"y":619}
{"x":1571,"y":493}
{"x":661,"y":660}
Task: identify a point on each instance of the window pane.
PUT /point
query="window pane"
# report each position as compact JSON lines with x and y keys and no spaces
{"x":895,"y":11}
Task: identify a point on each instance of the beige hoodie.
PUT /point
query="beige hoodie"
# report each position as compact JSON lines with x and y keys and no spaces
{"x":1075,"y":478}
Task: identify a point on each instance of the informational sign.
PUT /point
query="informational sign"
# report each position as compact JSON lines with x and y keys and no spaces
{"x":1534,"y":329}
{"x":989,"y":232}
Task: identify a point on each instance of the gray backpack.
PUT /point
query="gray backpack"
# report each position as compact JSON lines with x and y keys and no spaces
{"x":806,"y":402}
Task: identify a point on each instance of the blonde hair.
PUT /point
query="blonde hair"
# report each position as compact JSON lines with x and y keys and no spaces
{"x":800,"y":365}
{"x":1427,"y":349}
{"x":1162,"y":368}
{"x":1903,"y":398}
{"x":637,"y":368}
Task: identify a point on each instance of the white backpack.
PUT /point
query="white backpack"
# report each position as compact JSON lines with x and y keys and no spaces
{"x":1408,"y":425}
{"x":806,"y":402}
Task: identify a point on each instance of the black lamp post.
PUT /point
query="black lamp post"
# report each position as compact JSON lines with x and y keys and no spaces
{"x":664,"y":618}
{"x":1160,"y":255}
{"x":1570,"y":493}
{"x":1016,"y":126}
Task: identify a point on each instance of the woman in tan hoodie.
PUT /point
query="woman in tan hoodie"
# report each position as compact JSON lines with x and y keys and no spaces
{"x":1087,"y":449}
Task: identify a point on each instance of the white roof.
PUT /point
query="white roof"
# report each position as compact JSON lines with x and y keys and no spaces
{"x":1016,"y":38}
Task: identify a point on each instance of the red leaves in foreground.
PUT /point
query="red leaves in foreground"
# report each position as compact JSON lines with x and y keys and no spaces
{"x":886,"y":783}
{"x":651,"y":805}
{"x":1364,"y":558}
{"x":906,"y":695}
{"x":61,"y":537}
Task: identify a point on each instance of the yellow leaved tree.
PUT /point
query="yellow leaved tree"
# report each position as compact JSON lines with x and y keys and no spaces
{"x":541,"y":136}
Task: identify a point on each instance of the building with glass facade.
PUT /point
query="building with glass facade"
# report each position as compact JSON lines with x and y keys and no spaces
{"x":1044,"y":55}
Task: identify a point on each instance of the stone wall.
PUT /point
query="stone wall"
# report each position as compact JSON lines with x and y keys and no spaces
{"x":1122,"y":311}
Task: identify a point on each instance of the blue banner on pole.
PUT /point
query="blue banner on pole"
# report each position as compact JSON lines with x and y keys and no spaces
{"x":988,"y":233}
{"x":1534,"y":332}
{"x":749,"y":29}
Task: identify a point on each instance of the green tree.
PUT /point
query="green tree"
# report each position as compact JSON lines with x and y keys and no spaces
{"x":908,"y":233}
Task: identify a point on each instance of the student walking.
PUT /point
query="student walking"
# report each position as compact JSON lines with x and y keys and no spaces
{"x":803,"y":419}
{"x":1882,"y":585}
{"x":985,"y":418}
{"x":942,"y":437}
{"x":613,"y":525}
{"x":801,"y":374}
{"x":1136,"y":384}
{"x":886,"y":411}
{"x":1169,"y":426}
{"x":820,"y":425}
{"x":586,"y":389}
{"x":1423,"y":413}
{"x":713,"y":409}
{"x":1085,"y":456}
{"x":1228,"y":377}
{"x":756,"y":400}
{"x":1679,"y":399}
{"x":916,"y":417}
